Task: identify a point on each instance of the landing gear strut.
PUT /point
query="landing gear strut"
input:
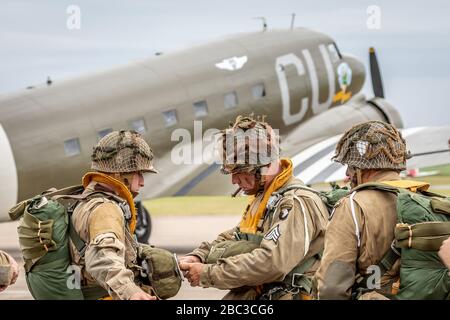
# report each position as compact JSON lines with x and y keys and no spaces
{"x":144,"y":223}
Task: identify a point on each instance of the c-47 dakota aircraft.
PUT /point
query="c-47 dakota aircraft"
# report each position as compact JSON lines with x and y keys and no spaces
{"x":298,"y":78}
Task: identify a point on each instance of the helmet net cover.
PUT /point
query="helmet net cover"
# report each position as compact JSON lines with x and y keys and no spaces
{"x":247,"y":145}
{"x":372,"y":145}
{"x":122,"y":152}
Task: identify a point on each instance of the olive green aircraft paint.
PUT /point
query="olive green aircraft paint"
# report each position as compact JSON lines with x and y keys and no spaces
{"x":296,"y":76}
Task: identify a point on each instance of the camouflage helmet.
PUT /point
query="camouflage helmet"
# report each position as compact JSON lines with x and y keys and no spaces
{"x":372,"y":145}
{"x":247,"y":145}
{"x":122,"y":152}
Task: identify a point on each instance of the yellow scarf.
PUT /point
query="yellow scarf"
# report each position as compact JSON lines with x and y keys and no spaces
{"x":122,"y":191}
{"x":411,"y":185}
{"x":249,"y":222}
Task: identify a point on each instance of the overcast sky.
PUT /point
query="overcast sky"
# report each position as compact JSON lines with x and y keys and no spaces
{"x":413,"y":42}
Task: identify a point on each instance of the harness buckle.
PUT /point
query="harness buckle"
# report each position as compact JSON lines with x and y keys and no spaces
{"x":293,"y":284}
{"x":268,"y":295}
{"x":126,"y":210}
{"x":394,"y":248}
{"x":272,"y":202}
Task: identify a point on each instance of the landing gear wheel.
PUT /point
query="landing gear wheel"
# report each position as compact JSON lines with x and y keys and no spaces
{"x":144,"y":223}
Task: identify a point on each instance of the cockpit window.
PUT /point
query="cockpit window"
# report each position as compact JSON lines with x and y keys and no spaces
{"x":334,"y":52}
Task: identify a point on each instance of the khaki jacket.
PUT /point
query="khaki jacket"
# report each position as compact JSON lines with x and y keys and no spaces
{"x":111,"y":250}
{"x":351,"y":248}
{"x":291,"y":236}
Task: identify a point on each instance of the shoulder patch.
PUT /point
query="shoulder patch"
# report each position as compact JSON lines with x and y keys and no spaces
{"x":273,"y":234}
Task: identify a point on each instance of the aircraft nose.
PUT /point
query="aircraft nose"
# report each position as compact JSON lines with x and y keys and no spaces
{"x":358,"y":73}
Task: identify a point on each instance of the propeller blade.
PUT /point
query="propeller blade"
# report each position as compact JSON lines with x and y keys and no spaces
{"x":429,"y":152}
{"x":377,"y":83}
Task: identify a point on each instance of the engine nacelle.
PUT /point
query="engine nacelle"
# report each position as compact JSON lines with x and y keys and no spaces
{"x":389,"y":113}
{"x":8,"y":177}
{"x":340,"y":118}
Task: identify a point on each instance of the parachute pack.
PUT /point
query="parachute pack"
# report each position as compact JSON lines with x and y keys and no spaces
{"x":423,"y":223}
{"x":44,"y":232}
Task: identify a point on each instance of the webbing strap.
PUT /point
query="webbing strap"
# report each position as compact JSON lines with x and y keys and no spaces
{"x":297,"y":278}
{"x":76,"y":239}
{"x":306,"y":265}
{"x":85,"y":196}
{"x":377,"y":186}
{"x":385,"y":264}
{"x":426,"y":236}
{"x":287,"y":188}
{"x":424,"y":244}
{"x":305,"y":224}
{"x":440,"y":206}
{"x":94,"y":293}
{"x":73,"y":190}
{"x":352,"y":207}
{"x":422,"y":229}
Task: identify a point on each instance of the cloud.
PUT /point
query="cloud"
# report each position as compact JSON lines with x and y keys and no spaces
{"x":412,"y":42}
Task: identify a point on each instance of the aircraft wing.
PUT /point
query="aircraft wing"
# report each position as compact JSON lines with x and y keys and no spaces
{"x":429,"y":146}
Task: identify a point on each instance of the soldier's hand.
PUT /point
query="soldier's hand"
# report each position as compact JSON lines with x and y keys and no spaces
{"x":15,"y":269}
{"x":444,"y":252}
{"x":189,"y":259}
{"x":142,"y":296}
{"x":193,"y":271}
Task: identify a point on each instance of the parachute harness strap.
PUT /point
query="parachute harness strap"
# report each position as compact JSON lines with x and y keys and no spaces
{"x":352,"y":207}
{"x":305,"y":221}
{"x":410,"y":236}
{"x":40,"y":238}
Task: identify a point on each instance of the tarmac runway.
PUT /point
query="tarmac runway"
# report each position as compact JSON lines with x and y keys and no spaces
{"x":179,"y":234}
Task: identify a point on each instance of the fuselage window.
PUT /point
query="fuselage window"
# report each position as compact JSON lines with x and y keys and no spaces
{"x":72,"y":147}
{"x":258,"y":91}
{"x":103,"y":132}
{"x":230,"y":100}
{"x":200,"y":109}
{"x":170,"y":117}
{"x":138,"y":125}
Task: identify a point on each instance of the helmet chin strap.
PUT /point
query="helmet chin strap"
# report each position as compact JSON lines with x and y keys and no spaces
{"x":358,"y":176}
{"x":260,"y":181}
